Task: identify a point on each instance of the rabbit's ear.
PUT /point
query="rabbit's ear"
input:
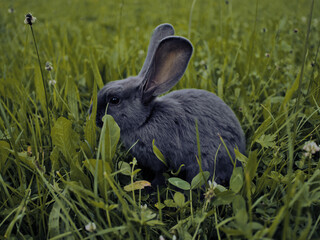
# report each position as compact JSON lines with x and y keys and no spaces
{"x":160,"y":32}
{"x":167,"y":66}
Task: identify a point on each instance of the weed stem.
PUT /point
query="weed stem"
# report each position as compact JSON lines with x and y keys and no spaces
{"x":44,"y":84}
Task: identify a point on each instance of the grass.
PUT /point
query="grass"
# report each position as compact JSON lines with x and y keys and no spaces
{"x":260,"y":57}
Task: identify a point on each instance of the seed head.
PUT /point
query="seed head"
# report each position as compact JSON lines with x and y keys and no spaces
{"x":29,"y":19}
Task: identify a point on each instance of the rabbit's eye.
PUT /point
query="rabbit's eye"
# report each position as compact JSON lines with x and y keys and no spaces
{"x":114,"y":100}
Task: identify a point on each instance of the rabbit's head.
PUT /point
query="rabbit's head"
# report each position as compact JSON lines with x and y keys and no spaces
{"x":130,"y":100}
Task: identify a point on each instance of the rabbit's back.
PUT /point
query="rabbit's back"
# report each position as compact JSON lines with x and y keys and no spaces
{"x":172,"y":125}
{"x":215,"y":121}
{"x":215,"y":118}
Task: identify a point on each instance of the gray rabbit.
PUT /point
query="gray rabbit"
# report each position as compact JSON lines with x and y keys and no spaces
{"x":170,"y":120}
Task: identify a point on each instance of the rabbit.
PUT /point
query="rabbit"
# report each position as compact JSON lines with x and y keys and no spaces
{"x":143,"y":116}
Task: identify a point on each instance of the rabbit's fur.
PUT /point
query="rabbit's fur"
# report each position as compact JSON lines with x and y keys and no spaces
{"x":170,"y":120}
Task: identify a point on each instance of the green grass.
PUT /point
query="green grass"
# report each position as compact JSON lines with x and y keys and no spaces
{"x":255,"y":55}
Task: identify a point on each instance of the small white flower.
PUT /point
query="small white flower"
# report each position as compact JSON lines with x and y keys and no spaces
{"x":144,"y":207}
{"x":10,"y":10}
{"x":310,"y":148}
{"x":210,"y":191}
{"x":174,"y":237}
{"x":29,"y":19}
{"x":52,"y":82}
{"x":212,"y":184}
{"x":161,"y":237}
{"x":202,"y":62}
{"x":91,"y":227}
{"x":48,"y":66}
{"x":141,"y":53}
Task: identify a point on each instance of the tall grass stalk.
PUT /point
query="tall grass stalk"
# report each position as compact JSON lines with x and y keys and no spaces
{"x":252,"y":43}
{"x":11,"y":142}
{"x":190,"y":17}
{"x":305,"y":52}
{"x":290,"y":185}
{"x":314,"y":67}
{"x":44,"y":83}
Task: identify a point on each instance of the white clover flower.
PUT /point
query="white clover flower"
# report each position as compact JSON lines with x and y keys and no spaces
{"x":52,"y":82}
{"x":310,"y":148}
{"x":144,"y":207}
{"x":212,"y":184}
{"x":29,"y":19}
{"x":210,"y":191}
{"x":91,"y":227}
{"x":48,"y":66}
